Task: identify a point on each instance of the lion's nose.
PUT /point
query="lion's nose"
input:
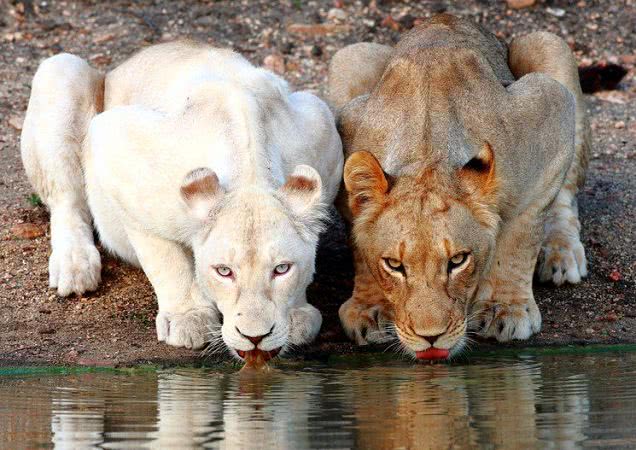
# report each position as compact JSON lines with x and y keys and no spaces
{"x":431,"y":339}
{"x":255,"y":339}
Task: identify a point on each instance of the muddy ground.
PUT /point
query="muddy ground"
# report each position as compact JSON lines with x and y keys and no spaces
{"x":115,"y":325}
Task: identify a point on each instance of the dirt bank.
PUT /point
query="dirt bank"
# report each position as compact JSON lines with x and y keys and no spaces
{"x":115,"y":325}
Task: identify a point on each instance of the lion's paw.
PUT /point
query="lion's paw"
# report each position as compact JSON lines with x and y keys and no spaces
{"x":506,"y":322}
{"x":74,"y":267}
{"x":191,"y":329}
{"x":363,"y":323}
{"x":562,"y":259}
{"x":304,"y":324}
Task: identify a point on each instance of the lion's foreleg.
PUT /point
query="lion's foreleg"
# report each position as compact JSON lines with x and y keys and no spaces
{"x":504,"y":305}
{"x":563,"y":257}
{"x":305,"y":321}
{"x":562,"y":254}
{"x":185,"y":318}
{"x":365,"y":315}
{"x":65,"y":96}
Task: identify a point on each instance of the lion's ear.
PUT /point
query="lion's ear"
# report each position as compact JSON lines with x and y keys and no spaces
{"x":478,"y":174}
{"x":201,"y":192}
{"x":302,"y":190}
{"x":364,"y":180}
{"x":302,"y":194}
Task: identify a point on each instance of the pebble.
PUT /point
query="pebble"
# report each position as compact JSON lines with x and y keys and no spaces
{"x":619,"y":125}
{"x":46,"y":330}
{"x":28,"y":230}
{"x":556,"y":12}
{"x":317,"y":29}
{"x":316,"y":51}
{"x":275,"y":63}
{"x":105,"y":37}
{"x":615,"y":275}
{"x":610,"y":317}
{"x":390,"y":22}
{"x":628,"y":59}
{"x":617,"y":97}
{"x":519,"y":4}
{"x":16,"y":122}
{"x":100,"y":59}
{"x":337,"y":14}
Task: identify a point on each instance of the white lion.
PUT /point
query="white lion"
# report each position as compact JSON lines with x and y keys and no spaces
{"x":202,"y":169}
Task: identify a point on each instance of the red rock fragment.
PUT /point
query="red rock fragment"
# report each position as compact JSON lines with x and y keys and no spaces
{"x":390,"y":22}
{"x":275,"y":63}
{"x":317,"y":29}
{"x":519,"y":4}
{"x":28,"y":231}
{"x":615,"y":275}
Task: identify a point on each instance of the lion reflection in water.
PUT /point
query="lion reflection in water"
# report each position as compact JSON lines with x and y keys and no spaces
{"x":379,"y":407}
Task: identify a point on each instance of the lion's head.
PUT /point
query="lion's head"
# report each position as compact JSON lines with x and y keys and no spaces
{"x":426,"y":238}
{"x":255,"y":253}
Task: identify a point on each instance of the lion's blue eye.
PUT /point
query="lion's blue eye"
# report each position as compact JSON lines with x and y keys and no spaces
{"x":281,"y":269}
{"x":224,"y":271}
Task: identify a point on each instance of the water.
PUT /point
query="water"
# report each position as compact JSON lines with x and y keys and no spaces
{"x":520,"y":401}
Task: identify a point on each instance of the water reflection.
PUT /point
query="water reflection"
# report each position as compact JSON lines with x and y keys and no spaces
{"x":547,"y":402}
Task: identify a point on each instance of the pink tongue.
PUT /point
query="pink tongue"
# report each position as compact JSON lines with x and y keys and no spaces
{"x":432,"y":353}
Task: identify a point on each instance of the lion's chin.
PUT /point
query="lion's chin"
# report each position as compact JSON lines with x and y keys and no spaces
{"x":433,"y":354}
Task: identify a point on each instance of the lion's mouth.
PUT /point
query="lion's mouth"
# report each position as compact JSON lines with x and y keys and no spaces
{"x":433,"y":354}
{"x":257,"y":357}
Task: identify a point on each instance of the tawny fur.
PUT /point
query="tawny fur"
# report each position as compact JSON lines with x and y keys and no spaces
{"x":461,"y":147}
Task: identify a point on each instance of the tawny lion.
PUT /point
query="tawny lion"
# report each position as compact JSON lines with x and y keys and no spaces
{"x":464,"y":160}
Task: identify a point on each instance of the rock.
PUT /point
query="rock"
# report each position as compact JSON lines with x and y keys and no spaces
{"x":275,"y":62}
{"x":100,"y":59}
{"x":319,"y":29}
{"x":337,"y":14}
{"x":16,"y":122}
{"x":619,"y":125}
{"x":615,"y":275}
{"x":316,"y":51}
{"x":616,"y":97}
{"x":629,"y":60}
{"x":407,"y":21}
{"x":556,"y":12}
{"x":439,"y":7}
{"x":519,"y":4}
{"x":609,"y":317}
{"x":28,"y":230}
{"x":46,"y":330}
{"x":390,"y":22}
{"x":105,"y":37}
{"x":287,"y":48}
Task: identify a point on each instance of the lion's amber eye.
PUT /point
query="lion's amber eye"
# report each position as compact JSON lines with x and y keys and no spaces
{"x":282,"y":269}
{"x":224,"y":271}
{"x":394,"y":265}
{"x":457,"y":261}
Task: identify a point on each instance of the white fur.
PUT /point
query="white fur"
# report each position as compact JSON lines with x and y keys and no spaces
{"x":175,"y":114}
